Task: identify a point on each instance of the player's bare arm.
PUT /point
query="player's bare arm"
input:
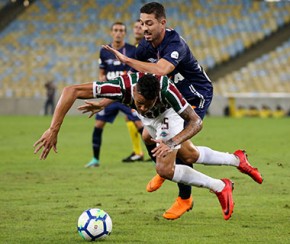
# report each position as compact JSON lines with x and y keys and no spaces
{"x":162,"y":67}
{"x":69,"y":94}
{"x":194,"y":125}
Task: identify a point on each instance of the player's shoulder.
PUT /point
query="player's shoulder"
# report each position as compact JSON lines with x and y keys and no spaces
{"x":172,"y":36}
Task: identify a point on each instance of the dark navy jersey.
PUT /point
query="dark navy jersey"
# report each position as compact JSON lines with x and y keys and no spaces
{"x":112,"y":66}
{"x":188,"y":76}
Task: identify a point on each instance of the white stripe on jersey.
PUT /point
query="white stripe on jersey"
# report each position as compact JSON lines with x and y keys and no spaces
{"x":179,"y":102}
{"x":94,"y":89}
{"x":99,"y":92}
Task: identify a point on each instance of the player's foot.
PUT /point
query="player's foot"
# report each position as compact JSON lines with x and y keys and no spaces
{"x":179,"y":207}
{"x":155,"y":183}
{"x":133,"y":158}
{"x":246,"y":168}
{"x":226,"y":198}
{"x":93,"y":163}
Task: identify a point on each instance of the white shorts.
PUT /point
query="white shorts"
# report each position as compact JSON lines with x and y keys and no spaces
{"x":165,"y":126}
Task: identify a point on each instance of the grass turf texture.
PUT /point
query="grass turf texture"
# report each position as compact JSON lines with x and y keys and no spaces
{"x":42,"y":200}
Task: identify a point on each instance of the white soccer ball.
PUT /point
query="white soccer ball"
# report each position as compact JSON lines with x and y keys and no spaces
{"x":94,"y":224}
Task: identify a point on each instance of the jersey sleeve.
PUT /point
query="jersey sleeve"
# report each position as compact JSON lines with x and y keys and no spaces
{"x":171,"y":94}
{"x":119,"y":89}
{"x":108,"y":89}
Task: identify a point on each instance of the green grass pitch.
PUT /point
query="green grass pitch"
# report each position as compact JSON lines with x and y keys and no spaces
{"x":42,"y":200}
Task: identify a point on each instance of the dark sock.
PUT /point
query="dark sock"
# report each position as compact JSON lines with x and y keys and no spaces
{"x":184,"y":190}
{"x":141,"y":131}
{"x":149,"y":149}
{"x":97,"y":141}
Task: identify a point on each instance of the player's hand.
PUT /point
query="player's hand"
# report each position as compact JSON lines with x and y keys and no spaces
{"x":91,"y":107}
{"x":118,"y":55}
{"x":47,"y":141}
{"x":162,"y":150}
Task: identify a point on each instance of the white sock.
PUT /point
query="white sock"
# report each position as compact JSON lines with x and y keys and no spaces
{"x":189,"y":176}
{"x":208,"y":156}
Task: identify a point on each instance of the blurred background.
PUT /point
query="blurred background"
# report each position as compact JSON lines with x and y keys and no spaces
{"x":243,"y":45}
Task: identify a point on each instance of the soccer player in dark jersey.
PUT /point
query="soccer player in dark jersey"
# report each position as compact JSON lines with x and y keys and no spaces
{"x":110,"y":67}
{"x":164,"y":52}
{"x":138,"y":32}
{"x":162,"y":110}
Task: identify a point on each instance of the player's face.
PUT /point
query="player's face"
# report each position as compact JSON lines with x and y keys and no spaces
{"x":118,"y":33}
{"x":142,"y":105}
{"x":152,"y":27}
{"x":138,"y":32}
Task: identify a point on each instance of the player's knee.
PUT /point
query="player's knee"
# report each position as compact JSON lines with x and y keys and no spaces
{"x":188,"y":154}
{"x":190,"y":159}
{"x":147,"y":139}
{"x":164,"y":172}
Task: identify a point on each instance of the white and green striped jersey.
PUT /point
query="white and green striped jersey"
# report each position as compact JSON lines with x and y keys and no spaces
{"x":121,"y":89}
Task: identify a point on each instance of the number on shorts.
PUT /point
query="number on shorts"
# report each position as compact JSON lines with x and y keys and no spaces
{"x":165,"y":124}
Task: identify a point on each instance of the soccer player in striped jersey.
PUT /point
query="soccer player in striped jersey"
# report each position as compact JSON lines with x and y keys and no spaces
{"x":164,"y":52}
{"x":162,"y":110}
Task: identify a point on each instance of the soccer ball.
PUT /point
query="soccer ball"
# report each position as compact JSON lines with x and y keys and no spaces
{"x":94,"y":224}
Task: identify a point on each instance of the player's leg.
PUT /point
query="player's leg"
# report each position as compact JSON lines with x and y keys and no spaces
{"x":222,"y":188}
{"x":46,"y":104}
{"x":207,"y":156}
{"x":135,"y":139}
{"x":52,"y":106}
{"x":97,"y":142}
{"x":133,"y":119}
{"x":183,"y":174}
{"x":107,"y":115}
{"x":184,"y":201}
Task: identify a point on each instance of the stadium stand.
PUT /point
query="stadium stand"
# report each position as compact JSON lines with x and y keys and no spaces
{"x":60,"y":41}
{"x":268,"y":73}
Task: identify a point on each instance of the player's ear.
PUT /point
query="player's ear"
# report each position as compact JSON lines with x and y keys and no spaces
{"x":163,"y":22}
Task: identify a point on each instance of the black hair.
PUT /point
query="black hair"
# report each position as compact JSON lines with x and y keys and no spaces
{"x":154,"y":8}
{"x":148,"y":86}
{"x":118,"y":23}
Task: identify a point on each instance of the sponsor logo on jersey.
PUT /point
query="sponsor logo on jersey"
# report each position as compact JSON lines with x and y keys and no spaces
{"x":117,"y":62}
{"x":152,"y":60}
{"x":109,"y":61}
{"x":113,"y":74}
{"x":174,"y":55}
{"x":163,"y":134}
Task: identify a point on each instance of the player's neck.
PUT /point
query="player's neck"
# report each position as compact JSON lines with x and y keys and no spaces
{"x":137,"y":41}
{"x":118,"y":45}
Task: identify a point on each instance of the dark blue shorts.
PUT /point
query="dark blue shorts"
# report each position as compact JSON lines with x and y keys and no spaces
{"x":110,"y":112}
{"x":200,"y":99}
{"x":201,"y":111}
